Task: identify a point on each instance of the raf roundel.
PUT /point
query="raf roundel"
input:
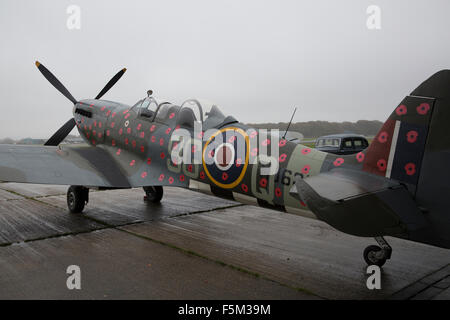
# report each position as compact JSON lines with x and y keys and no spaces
{"x":222,"y":156}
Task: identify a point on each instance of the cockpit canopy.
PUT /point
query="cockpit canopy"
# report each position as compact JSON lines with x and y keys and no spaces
{"x":185,"y":115}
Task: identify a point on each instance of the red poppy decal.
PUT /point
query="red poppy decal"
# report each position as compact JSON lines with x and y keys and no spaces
{"x":113,"y":142}
{"x":238,"y":162}
{"x":278,"y":192}
{"x":162,"y":155}
{"x":253,"y":134}
{"x":263,"y":182}
{"x":254,"y":152}
{"x":182,"y":178}
{"x":382,"y":137}
{"x":168,"y":130}
{"x":360,"y":157}
{"x":170,"y":180}
{"x":99,"y":124}
{"x":113,"y":124}
{"x":127,"y":116}
{"x":189,"y":168}
{"x":306,"y":150}
{"x":200,"y":134}
{"x":149,"y":161}
{"x":401,"y":110}
{"x":202,"y":175}
{"x":139,"y":126}
{"x":172,"y":115}
{"x":224,"y":176}
{"x":113,"y":114}
{"x":120,"y":131}
{"x":302,"y":203}
{"x":282,"y":158}
{"x":132,"y":163}
{"x":142,"y":149}
{"x":381,"y":164}
{"x":266,"y":142}
{"x":244,"y":187}
{"x":410,"y":168}
{"x":161,"y":141}
{"x":152,"y":128}
{"x":129,"y":130}
{"x":126,"y":141}
{"x":305,"y":169}
{"x":232,"y":139}
{"x":411,"y":136}
{"x":282,"y":143}
{"x":161,"y":177}
{"x":142,"y":134}
{"x":423,"y":108}
{"x":108,"y":133}
{"x":338,"y":162}
{"x":143,"y":174}
{"x":153,"y":139}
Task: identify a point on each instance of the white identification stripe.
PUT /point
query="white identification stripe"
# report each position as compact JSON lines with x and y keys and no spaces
{"x":392,"y":151}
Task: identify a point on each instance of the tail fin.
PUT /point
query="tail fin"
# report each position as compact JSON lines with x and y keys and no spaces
{"x":418,"y":125}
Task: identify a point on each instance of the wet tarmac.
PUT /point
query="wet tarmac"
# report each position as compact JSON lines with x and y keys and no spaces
{"x":193,"y":246}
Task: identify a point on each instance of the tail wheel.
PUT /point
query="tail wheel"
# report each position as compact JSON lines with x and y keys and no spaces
{"x":77,"y":197}
{"x":153,"y":193}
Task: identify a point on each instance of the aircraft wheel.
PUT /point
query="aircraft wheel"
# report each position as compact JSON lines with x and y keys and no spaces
{"x":374,"y":255}
{"x":153,"y":194}
{"x":77,"y":197}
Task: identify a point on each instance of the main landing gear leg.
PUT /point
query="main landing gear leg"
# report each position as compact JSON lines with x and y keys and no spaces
{"x":378,"y":255}
{"x":153,"y":194}
{"x":77,"y":197}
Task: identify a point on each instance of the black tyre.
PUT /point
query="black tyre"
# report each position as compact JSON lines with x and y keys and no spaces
{"x":154,"y":194}
{"x":76,"y":198}
{"x":371,"y":256}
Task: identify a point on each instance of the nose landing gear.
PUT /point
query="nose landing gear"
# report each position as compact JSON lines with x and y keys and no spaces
{"x":77,"y":197}
{"x":377,"y":255}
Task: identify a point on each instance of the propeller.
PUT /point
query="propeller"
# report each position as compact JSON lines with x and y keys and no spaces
{"x":55,"y":82}
{"x":111,"y":83}
{"x":64,"y":131}
{"x":61,"y":134}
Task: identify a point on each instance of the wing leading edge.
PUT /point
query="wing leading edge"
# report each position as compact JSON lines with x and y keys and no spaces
{"x":66,"y":165}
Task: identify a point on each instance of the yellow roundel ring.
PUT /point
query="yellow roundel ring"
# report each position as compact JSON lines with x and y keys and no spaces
{"x":247,"y":153}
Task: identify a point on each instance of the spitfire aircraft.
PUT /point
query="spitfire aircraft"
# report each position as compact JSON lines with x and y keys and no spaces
{"x":398,"y":186}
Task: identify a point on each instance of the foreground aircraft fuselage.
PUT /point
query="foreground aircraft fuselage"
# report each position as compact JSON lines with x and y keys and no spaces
{"x":396,"y":187}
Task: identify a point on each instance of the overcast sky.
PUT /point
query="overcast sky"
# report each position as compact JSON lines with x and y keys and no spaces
{"x":255,"y":59}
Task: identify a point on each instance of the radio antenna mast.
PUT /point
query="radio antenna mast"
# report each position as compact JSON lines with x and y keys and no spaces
{"x":295,"y":109}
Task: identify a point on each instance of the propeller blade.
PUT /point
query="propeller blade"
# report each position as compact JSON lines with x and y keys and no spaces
{"x":55,"y":82}
{"x":111,"y":83}
{"x":61,"y":134}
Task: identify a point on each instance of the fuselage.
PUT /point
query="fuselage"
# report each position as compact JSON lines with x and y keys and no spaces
{"x":119,"y":126}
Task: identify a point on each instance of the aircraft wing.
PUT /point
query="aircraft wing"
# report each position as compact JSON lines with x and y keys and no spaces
{"x":361,"y":204}
{"x":78,"y":165}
